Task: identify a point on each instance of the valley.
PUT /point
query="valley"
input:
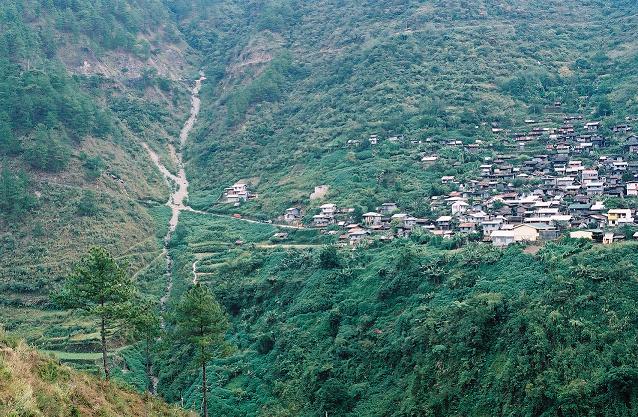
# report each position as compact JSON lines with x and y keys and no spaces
{"x":177,"y":183}
{"x":388,"y":208}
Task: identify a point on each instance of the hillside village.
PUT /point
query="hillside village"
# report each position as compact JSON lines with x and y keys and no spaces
{"x":568,"y":172}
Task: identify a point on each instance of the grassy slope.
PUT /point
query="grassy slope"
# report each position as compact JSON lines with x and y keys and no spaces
{"x":292,"y":94}
{"x":35,"y":385}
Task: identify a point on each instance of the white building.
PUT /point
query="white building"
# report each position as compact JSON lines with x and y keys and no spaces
{"x":520,"y":233}
{"x":459,"y":207}
{"x":619,"y":217}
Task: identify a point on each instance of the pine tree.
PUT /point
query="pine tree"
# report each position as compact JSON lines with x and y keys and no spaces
{"x":9,"y":144}
{"x":200,"y":322}
{"x":99,"y":287}
{"x":145,"y":320}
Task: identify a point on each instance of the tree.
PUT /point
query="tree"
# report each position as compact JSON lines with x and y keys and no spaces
{"x":146,"y":328}
{"x":357,"y":214}
{"x":9,"y":144}
{"x":99,"y":287}
{"x":46,"y":149}
{"x":200,"y":322}
{"x":329,"y":257}
{"x":15,"y":198}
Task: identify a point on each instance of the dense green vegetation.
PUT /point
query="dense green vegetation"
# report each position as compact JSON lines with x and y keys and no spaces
{"x":413,"y":330}
{"x":311,"y":75}
{"x":420,"y":327}
{"x":82,"y":84}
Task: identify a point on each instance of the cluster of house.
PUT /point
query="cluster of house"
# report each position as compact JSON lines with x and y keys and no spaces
{"x":374,"y":140}
{"x":566,"y":187}
{"x":503,"y":219}
{"x":237,"y":194}
{"x":572,"y":137}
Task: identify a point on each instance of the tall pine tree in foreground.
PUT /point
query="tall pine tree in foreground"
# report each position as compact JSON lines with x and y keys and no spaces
{"x":200,"y":322}
{"x":146,"y":323}
{"x":99,"y":287}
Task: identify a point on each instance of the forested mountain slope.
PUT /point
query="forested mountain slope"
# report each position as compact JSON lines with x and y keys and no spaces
{"x":82,"y":85}
{"x":309,"y":76}
{"x":420,"y":326}
{"x":413,"y":329}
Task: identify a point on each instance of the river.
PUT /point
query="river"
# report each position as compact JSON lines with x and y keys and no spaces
{"x":178,"y":183}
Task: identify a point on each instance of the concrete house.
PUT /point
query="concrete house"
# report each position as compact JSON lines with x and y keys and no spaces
{"x":444,"y":222}
{"x":595,"y":188}
{"x":520,"y":233}
{"x":546,"y":212}
{"x":328,"y":210}
{"x":564,"y":182}
{"x":619,"y":217}
{"x":490,"y":226}
{"x":429,"y":160}
{"x":631,"y":144}
{"x":592,"y":126}
{"x":610,"y":238}
{"x":459,"y":207}
{"x":404,"y":220}
{"x":582,"y":234}
{"x":598,"y":207}
{"x":467,"y":227}
{"x":236,"y":193}
{"x":619,"y":167}
{"x":372,"y":219}
{"x":321,"y":220}
{"x":632,"y":188}
{"x":356,"y":236}
{"x":388,"y":208}
{"x":621,"y":128}
{"x":588,"y":175}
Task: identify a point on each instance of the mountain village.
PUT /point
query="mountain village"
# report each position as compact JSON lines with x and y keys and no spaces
{"x":569,"y":175}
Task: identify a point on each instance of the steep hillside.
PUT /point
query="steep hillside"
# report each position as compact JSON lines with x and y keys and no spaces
{"x":82,"y":85}
{"x":413,"y":329}
{"x":409,"y":323}
{"x":34,"y":385}
{"x":300,"y":93}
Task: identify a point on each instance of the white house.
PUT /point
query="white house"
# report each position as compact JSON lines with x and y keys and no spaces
{"x":581,"y":234}
{"x":459,"y":207}
{"x":372,"y":219}
{"x":321,"y":220}
{"x":595,"y":188}
{"x":618,"y":217}
{"x":388,"y":208}
{"x":490,"y":226}
{"x":328,"y":210}
{"x":236,"y":193}
{"x":520,"y":233}
{"x":589,"y":175}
